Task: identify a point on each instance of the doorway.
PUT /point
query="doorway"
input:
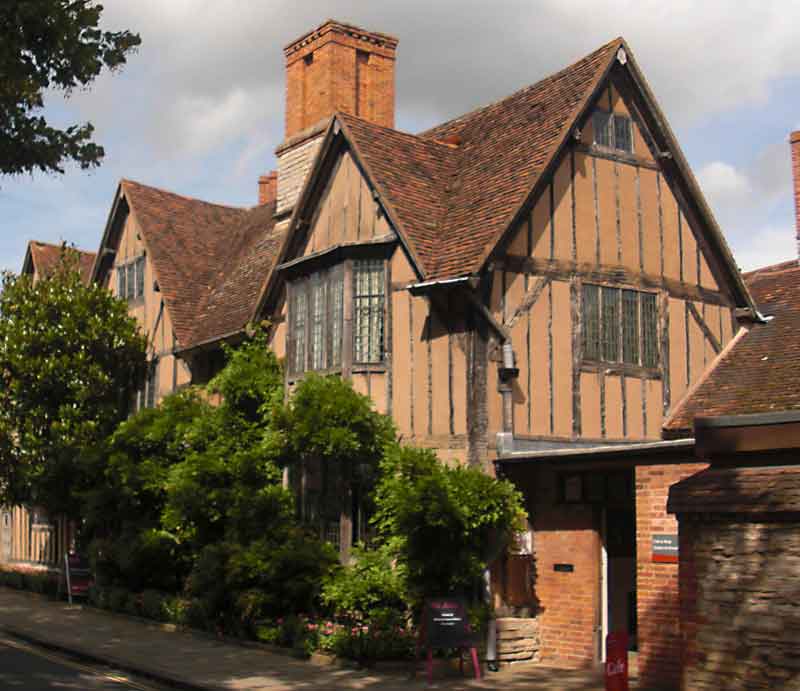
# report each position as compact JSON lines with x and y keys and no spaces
{"x":618,"y":559}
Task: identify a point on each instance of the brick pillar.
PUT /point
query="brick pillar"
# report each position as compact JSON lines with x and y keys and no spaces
{"x":795,"y":142}
{"x":657,"y":597}
{"x":268,"y":188}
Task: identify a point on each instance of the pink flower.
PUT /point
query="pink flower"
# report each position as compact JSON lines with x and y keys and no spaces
{"x":312,"y":627}
{"x":280,"y":621}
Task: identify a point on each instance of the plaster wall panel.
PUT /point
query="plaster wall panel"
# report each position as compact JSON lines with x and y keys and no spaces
{"x":585,"y":229}
{"x":590,"y":405}
{"x":669,"y":219}
{"x":562,"y":360}
{"x":540,"y":364}
{"x":655,"y":408}
{"x":402,"y":384}
{"x":628,"y":216}
{"x":648,"y":199}
{"x":633,"y":408}
{"x":541,"y":226}
{"x":677,"y":350}
{"x":613,"y":407}
{"x":606,"y":203}
{"x":562,"y":213}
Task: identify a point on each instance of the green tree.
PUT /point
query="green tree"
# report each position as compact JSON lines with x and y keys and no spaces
{"x":70,"y":355}
{"x":443,"y":523}
{"x":333,"y":433}
{"x":51,"y":45}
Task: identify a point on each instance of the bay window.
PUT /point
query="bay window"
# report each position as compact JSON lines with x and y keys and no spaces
{"x":316,"y":324}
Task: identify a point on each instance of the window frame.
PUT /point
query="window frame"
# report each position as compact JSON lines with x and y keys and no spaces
{"x":131,"y":279}
{"x":339,"y":275}
{"x":610,"y":140}
{"x":596,"y":348}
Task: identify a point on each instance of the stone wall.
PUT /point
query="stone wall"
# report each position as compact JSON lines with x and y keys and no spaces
{"x":517,"y":640}
{"x":741,"y":596}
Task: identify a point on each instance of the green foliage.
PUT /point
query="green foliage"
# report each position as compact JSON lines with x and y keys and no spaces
{"x":69,"y":356}
{"x":326,"y":419}
{"x":444,"y":522}
{"x":371,"y":582}
{"x":51,"y":45}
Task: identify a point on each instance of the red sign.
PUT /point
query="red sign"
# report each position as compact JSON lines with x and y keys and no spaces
{"x":77,"y":574}
{"x":616,"y":667}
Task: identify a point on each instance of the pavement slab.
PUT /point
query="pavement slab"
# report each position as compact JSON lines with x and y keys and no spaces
{"x":187,"y":660}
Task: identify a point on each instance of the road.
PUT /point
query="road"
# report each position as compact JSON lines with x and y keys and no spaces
{"x":27,"y":668}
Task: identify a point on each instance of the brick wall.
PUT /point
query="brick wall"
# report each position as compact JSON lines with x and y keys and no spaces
{"x":657,"y":598}
{"x":568,"y":601}
{"x":795,"y":143}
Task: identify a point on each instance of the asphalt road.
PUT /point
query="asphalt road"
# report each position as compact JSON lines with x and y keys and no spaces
{"x":25,"y":668}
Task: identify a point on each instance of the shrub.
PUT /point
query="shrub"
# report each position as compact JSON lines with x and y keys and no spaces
{"x":444,"y":523}
{"x":371,"y":581}
{"x":118,"y":599}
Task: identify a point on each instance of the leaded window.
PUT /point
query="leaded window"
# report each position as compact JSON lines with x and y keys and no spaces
{"x":368,"y":307}
{"x":612,"y":131}
{"x":130,"y":279}
{"x":620,"y":326}
{"x":316,"y":321}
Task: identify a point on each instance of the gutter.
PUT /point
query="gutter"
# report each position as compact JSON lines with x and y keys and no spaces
{"x":664,"y":446}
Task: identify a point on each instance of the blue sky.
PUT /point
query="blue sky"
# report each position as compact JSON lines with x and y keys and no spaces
{"x":199,"y":110}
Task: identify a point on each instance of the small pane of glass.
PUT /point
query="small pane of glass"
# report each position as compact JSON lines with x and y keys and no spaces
{"x":591,"y":322}
{"x":368,"y":301}
{"x":131,"y":281}
{"x":649,"y":330}
{"x":316,"y":346}
{"x":299,"y":328}
{"x":140,"y":277}
{"x":122,"y":291}
{"x":610,"y":324}
{"x":630,"y":327}
{"x":336,"y":314}
{"x":601,"y":122}
{"x":622,"y":133}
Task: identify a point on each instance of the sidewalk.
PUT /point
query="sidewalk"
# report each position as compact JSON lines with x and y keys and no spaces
{"x":194,"y":662}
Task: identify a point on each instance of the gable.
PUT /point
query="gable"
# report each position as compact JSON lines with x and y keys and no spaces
{"x":346,"y":212}
{"x":603,"y":207}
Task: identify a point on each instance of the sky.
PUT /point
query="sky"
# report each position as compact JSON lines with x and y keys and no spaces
{"x":199,"y":108}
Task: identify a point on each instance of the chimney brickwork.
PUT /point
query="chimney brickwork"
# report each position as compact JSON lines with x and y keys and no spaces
{"x":794,"y":139}
{"x":335,"y":67}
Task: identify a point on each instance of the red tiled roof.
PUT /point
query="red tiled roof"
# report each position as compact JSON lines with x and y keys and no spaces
{"x":412,"y":175}
{"x":46,"y":256}
{"x":203,"y":256}
{"x":505,"y":148}
{"x":454,"y":200}
{"x":759,"y":373}
{"x":737,"y":490}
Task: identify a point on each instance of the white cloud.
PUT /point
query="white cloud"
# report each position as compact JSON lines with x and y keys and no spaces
{"x":723,"y":184}
{"x":765,"y":246}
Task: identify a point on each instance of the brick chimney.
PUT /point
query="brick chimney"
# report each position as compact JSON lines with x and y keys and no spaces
{"x":335,"y":67}
{"x":338,"y":66}
{"x":268,"y":188}
{"x":795,"y":142}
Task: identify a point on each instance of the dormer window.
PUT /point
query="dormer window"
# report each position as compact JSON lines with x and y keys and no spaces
{"x":130,"y":279}
{"x":612,"y":131}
